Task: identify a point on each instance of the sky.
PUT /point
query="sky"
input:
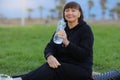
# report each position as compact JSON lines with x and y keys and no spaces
{"x":13,"y":8}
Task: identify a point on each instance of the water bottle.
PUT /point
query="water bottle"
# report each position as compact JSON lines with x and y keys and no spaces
{"x":60,"y":26}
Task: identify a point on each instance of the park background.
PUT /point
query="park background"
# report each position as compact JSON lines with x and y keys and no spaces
{"x":26,"y":26}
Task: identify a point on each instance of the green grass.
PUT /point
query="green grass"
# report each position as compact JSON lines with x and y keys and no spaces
{"x":106,"y":48}
{"x":21,"y":48}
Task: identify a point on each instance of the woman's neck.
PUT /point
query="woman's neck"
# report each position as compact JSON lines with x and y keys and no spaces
{"x":72,"y":24}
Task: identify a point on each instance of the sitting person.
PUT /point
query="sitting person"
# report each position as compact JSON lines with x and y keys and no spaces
{"x":71,"y":60}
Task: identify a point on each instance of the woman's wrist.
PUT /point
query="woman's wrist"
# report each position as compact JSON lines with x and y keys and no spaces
{"x":48,"y":55}
{"x":66,"y":43}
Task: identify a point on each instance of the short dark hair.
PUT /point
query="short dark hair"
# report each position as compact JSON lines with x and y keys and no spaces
{"x":75,"y":5}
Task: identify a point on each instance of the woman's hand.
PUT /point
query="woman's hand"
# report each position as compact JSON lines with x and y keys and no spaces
{"x":62,"y":34}
{"x":53,"y":62}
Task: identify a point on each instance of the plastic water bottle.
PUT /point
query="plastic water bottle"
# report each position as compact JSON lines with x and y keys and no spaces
{"x":60,"y":26}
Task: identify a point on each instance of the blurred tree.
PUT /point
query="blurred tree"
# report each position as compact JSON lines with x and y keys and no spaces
{"x":112,"y":12}
{"x":118,"y":10}
{"x":30,"y":10}
{"x":41,"y":11}
{"x":59,"y":7}
{"x":52,"y":11}
{"x":93,"y":16}
{"x":90,"y":5}
{"x":2,"y":18}
{"x":103,"y":6}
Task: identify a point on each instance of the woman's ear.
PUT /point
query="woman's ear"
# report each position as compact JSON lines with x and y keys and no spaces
{"x":79,"y":14}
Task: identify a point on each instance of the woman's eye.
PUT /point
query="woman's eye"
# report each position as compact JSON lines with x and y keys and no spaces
{"x":70,"y":10}
{"x":66,"y":10}
{"x":73,"y":10}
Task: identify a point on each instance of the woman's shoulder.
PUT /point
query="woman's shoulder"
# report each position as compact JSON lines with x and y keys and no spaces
{"x":84,"y":25}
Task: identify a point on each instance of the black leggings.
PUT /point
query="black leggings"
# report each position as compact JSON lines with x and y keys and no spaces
{"x":64,"y":72}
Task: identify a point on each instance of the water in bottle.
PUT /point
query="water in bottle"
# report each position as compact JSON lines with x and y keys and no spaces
{"x":60,"y":26}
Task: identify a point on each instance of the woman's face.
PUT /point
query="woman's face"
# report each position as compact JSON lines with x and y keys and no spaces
{"x":71,"y":14}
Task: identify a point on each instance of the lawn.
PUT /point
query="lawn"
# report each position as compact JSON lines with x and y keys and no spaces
{"x":21,"y":48}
